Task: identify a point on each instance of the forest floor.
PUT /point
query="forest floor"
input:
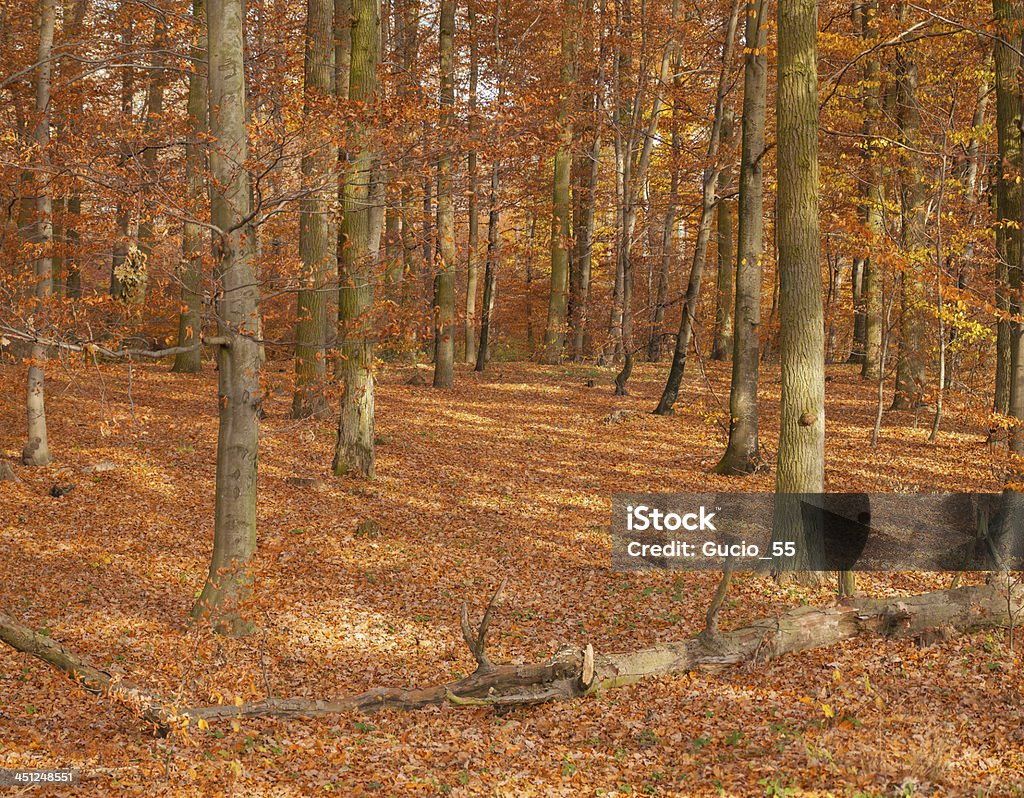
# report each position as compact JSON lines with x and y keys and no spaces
{"x":509,"y":474}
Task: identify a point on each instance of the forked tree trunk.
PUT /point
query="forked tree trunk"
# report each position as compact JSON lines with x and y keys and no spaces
{"x":354,"y":453}
{"x":229,"y":582}
{"x":742,"y":455}
{"x":444,"y":280}
{"x":801,"y":458}
{"x":37,"y":448}
{"x":193,"y":239}
{"x":316,"y":250}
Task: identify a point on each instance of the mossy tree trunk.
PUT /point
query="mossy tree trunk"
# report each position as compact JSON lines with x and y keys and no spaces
{"x":354,"y":454}
{"x":316,"y":250}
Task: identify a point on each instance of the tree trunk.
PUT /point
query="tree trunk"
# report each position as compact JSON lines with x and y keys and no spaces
{"x":354,"y":453}
{"x":474,"y":215}
{"x":316,"y":250}
{"x":490,"y":274}
{"x":444,"y":280}
{"x":874,"y":200}
{"x":1009,"y":204}
{"x":193,"y":239}
{"x":742,"y":455}
{"x":632,"y":182}
{"x":561,"y":208}
{"x":37,"y":449}
{"x":910,"y":364}
{"x":801,"y":458}
{"x":700,"y":250}
{"x":721,"y":348}
{"x":859,"y":338}
{"x":229,"y":582}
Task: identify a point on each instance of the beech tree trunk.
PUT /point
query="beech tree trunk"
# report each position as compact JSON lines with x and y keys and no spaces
{"x":561,"y":207}
{"x":193,"y":237}
{"x":444,"y":280}
{"x":721,"y":347}
{"x":316,"y":250}
{"x":474,"y":215}
{"x":37,"y":449}
{"x":229,"y":583}
{"x":1009,"y":204}
{"x":483,"y":353}
{"x":742,"y":455}
{"x":354,"y":454}
{"x":910,"y":364}
{"x":800,"y":466}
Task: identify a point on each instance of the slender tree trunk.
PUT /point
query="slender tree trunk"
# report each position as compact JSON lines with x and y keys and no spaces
{"x":444,"y":280}
{"x":874,"y":200}
{"x":474,"y":215}
{"x":800,"y":467}
{"x":491,"y":272}
{"x":37,"y":450}
{"x":632,"y":182}
{"x":700,"y":250}
{"x":742,"y":455}
{"x":228,"y":585}
{"x":354,"y":453}
{"x":193,"y":240}
{"x":859,"y":339}
{"x":1009,"y":204}
{"x":316,"y":250}
{"x":150,"y":129}
{"x":721,"y":348}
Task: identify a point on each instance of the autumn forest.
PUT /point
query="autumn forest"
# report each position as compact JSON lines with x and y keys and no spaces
{"x":329,"y":329}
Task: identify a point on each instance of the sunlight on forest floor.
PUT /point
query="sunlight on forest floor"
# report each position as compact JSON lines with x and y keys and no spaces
{"x":511,"y":473}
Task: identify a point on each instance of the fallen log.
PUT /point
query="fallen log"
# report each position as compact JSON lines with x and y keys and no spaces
{"x":573,"y":672}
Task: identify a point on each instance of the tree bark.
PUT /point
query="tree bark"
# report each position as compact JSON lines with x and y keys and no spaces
{"x":229,"y":582}
{"x":573,"y":672}
{"x":37,"y":450}
{"x":316,"y":250}
{"x":910,"y":363}
{"x":483,"y":353}
{"x":721,"y":347}
{"x":1009,"y":204}
{"x":444,"y":280}
{"x":561,"y":207}
{"x":354,"y":454}
{"x":474,"y":216}
{"x":800,"y":466}
{"x":193,"y":240}
{"x":742,"y":455}
{"x":874,"y":199}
